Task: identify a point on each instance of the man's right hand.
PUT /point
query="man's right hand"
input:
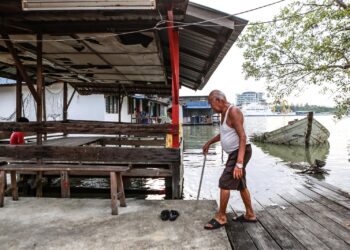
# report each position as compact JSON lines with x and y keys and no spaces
{"x":206,"y":148}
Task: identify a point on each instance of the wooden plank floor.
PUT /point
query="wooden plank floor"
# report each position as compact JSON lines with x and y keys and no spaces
{"x":316,"y":216}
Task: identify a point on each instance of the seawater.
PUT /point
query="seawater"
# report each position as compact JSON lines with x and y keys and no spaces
{"x":269,"y":171}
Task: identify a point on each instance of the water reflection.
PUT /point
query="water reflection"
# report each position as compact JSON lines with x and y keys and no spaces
{"x":270,"y":167}
{"x":295,"y":154}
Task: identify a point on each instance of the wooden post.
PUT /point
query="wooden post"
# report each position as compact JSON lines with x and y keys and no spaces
{"x":175,"y":181}
{"x":173,"y":36}
{"x":65,"y":101}
{"x":44,"y":106}
{"x":120,"y":189}
{"x":65,"y":185}
{"x":39,"y":182}
{"x":309,"y":129}
{"x":120,"y":104}
{"x":18,"y":96}
{"x":168,"y":188}
{"x":114,"y":193}
{"x":2,"y":187}
{"x":39,"y":86}
{"x":14,"y":186}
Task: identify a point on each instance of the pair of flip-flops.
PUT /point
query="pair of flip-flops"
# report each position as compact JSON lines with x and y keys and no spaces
{"x":169,"y":215}
{"x":214,"y":224}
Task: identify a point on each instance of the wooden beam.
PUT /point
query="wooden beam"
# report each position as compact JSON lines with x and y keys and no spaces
{"x":114,"y":193}
{"x":176,"y":192}
{"x":44,"y":99}
{"x":120,"y":188}
{"x":120,"y":103}
{"x":14,"y":186}
{"x":39,"y":109}
{"x":148,"y":172}
{"x":71,"y":98}
{"x":73,"y":167}
{"x":65,"y":185}
{"x":18,"y":96}
{"x":20,"y":66}
{"x":39,"y":84}
{"x":64,"y":27}
{"x":88,"y":128}
{"x":106,"y":155}
{"x":114,"y":141}
{"x":69,"y":69}
{"x":65,"y":102}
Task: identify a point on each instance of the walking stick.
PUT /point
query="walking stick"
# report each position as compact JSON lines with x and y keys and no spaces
{"x":222,"y":156}
{"x":200,"y":183}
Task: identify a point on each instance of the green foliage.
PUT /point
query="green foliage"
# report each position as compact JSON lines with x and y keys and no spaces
{"x":307,"y":44}
{"x":306,"y":107}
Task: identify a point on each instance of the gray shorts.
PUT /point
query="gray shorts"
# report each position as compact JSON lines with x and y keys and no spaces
{"x":226,"y":180}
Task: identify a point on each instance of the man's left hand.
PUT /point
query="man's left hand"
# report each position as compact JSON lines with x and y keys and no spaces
{"x":237,"y":173}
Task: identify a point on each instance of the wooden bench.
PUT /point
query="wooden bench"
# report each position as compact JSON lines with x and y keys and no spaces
{"x":117,"y":188}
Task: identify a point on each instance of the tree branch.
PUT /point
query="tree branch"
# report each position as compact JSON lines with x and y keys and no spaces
{"x":341,"y":4}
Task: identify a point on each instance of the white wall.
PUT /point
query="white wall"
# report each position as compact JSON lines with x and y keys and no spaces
{"x":90,"y":107}
{"x":7,"y":101}
{"x":125,"y":117}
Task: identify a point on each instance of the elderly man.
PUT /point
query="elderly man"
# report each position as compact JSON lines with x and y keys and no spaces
{"x":235,"y":143}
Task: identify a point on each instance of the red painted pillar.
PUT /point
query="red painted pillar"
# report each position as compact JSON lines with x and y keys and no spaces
{"x":175,"y":68}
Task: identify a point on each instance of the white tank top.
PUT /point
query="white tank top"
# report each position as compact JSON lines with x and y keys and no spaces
{"x":228,"y":136}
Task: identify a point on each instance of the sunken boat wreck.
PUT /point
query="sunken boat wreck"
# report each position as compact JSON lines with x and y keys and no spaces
{"x":305,"y":132}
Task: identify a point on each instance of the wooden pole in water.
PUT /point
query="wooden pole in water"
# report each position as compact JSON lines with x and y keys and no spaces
{"x":309,"y":129}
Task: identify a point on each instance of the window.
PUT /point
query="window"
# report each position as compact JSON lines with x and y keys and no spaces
{"x":111,"y":104}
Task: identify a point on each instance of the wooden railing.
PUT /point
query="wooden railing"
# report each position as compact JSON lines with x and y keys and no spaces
{"x":148,"y":157}
{"x":88,"y":128}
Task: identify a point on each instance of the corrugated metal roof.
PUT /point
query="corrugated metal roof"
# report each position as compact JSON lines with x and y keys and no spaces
{"x":93,"y":59}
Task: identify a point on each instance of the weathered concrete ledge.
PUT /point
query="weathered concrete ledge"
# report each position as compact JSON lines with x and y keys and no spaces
{"x":48,"y":223}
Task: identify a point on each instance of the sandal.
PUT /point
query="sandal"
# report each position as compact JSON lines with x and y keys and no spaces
{"x":165,"y":215}
{"x":214,"y":225}
{"x":173,"y":215}
{"x":242,"y":218}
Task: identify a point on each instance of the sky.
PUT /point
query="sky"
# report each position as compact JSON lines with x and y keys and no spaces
{"x":229,"y":77}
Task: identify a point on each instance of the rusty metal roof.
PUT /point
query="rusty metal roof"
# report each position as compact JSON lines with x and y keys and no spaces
{"x":83,"y":48}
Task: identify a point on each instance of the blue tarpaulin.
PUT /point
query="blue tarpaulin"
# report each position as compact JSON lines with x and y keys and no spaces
{"x":197,"y":105}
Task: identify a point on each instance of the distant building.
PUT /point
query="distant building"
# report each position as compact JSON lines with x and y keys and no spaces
{"x":250,"y":97}
{"x":196,"y":110}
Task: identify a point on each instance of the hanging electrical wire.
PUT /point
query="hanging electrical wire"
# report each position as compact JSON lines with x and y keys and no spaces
{"x":157,"y":26}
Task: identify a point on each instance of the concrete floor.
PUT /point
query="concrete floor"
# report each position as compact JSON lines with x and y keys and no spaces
{"x":49,"y":223}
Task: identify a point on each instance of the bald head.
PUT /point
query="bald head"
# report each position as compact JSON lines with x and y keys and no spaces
{"x":217,"y":95}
